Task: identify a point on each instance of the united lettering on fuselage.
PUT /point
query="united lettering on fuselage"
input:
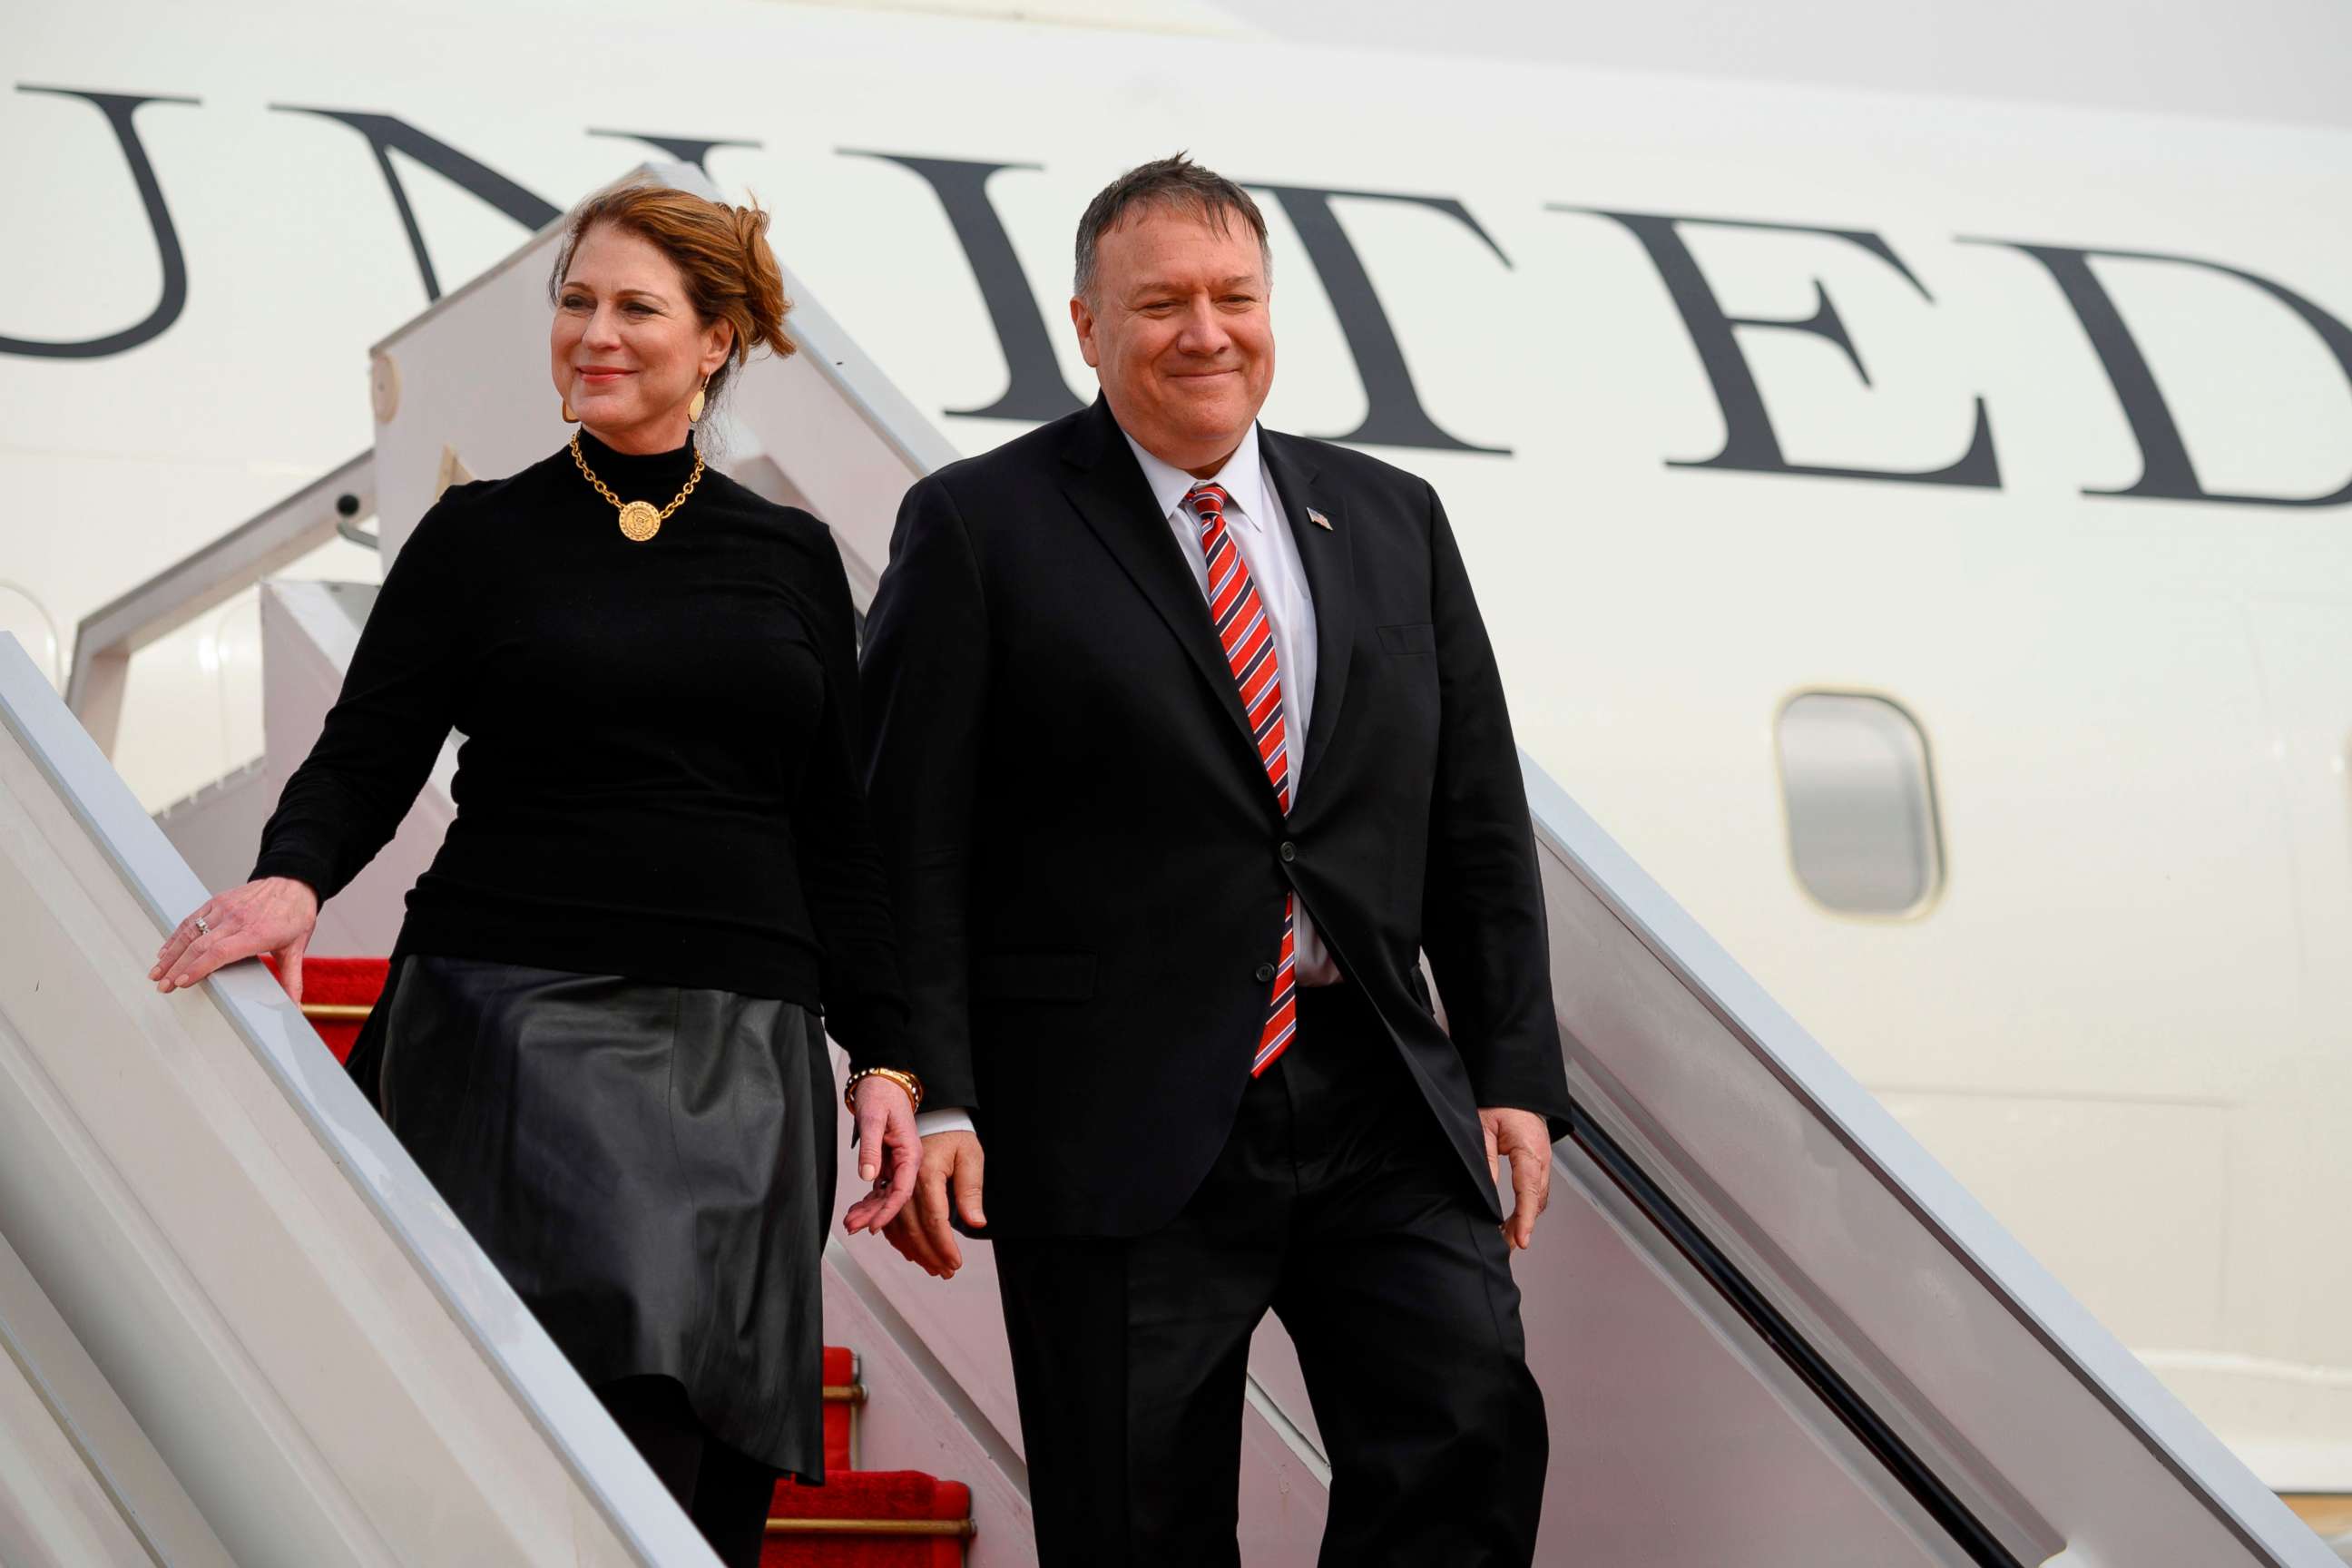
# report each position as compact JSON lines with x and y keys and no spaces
{"x":1395,"y":414}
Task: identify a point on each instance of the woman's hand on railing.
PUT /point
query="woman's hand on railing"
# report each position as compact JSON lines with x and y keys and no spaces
{"x":275,"y":915}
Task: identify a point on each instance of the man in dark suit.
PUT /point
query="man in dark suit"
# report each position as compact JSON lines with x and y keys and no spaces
{"x":1186,"y":740}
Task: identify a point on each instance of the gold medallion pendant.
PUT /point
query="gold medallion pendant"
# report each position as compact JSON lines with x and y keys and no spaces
{"x":640,"y":520}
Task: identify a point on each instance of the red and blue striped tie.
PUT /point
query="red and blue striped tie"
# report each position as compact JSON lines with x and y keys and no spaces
{"x":1248,"y":636}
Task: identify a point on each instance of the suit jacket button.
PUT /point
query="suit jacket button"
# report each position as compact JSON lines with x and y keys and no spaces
{"x":1265,"y":973}
{"x":1289,"y":851}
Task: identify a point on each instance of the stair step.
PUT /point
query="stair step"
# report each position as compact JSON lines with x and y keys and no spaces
{"x":337,"y":995}
{"x":869,"y":1519}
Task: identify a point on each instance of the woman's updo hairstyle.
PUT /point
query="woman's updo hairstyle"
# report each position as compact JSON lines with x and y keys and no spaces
{"x":722,"y":252}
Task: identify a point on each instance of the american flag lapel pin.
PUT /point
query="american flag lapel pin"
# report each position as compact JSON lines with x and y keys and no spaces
{"x":1317,"y":518}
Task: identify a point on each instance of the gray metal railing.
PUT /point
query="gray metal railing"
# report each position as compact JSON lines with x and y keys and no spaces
{"x":2020,"y":1424}
{"x":326,"y":508}
{"x":511,"y":1346}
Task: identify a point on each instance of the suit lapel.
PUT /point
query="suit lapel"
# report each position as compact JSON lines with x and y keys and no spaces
{"x":1330,"y":560}
{"x":1103,"y":481}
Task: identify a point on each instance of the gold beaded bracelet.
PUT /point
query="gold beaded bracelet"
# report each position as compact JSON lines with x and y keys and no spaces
{"x":905,"y":1080}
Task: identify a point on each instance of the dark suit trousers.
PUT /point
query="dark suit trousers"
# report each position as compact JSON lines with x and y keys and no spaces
{"x":1337,"y":1204}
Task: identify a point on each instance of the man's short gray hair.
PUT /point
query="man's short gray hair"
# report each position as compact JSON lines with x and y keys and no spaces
{"x":1177,"y":182}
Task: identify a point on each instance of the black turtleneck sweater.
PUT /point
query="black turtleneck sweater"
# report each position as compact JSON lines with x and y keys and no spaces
{"x":656,"y":777}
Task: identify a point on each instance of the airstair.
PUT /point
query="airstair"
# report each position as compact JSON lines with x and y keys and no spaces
{"x":1770,"y":1329}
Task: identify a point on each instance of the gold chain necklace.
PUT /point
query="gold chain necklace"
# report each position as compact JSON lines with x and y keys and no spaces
{"x":639,"y":521}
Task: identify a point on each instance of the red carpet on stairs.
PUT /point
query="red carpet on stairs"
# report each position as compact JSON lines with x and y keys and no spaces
{"x":858,"y":1519}
{"x":881,"y":1501}
{"x":842,"y":1398}
{"x":335,"y":991}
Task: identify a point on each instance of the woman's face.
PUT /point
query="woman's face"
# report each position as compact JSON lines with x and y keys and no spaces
{"x":626,"y":349}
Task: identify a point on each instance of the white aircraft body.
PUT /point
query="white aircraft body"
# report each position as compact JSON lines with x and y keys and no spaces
{"x":2029,"y":428}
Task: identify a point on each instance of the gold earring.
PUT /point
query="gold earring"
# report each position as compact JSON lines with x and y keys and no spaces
{"x":694,"y":409}
{"x":569,"y":418}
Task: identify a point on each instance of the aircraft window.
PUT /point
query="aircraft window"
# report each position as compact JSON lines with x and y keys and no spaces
{"x":1860,"y":797}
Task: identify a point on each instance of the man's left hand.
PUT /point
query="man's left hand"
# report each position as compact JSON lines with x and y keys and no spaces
{"x":1525,"y":1140}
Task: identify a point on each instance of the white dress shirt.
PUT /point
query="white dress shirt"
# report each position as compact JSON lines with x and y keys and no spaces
{"x":1260,"y":529}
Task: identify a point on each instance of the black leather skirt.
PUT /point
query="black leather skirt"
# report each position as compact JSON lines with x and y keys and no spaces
{"x":651,"y":1168}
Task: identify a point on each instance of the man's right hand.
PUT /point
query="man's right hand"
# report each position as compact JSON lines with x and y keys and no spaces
{"x":950,"y":1170}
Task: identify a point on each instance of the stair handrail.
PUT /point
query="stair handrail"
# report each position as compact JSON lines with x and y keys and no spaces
{"x":1611,"y":1125}
{"x":329,"y":507}
{"x":468,"y":1285}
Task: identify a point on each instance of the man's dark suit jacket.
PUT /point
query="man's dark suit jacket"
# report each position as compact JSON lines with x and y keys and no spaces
{"x":1089,"y":864}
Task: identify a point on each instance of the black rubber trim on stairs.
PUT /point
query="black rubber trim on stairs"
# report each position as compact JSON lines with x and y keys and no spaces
{"x":1790,"y":1345}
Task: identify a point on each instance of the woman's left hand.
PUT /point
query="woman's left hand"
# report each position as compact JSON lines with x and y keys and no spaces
{"x":275,"y":915}
{"x":889,"y":1153}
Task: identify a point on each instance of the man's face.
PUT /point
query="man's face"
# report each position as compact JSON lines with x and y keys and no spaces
{"x":1180,"y":332}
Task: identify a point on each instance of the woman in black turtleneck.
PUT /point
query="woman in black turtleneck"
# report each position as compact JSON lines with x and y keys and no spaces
{"x":597,"y":1037}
